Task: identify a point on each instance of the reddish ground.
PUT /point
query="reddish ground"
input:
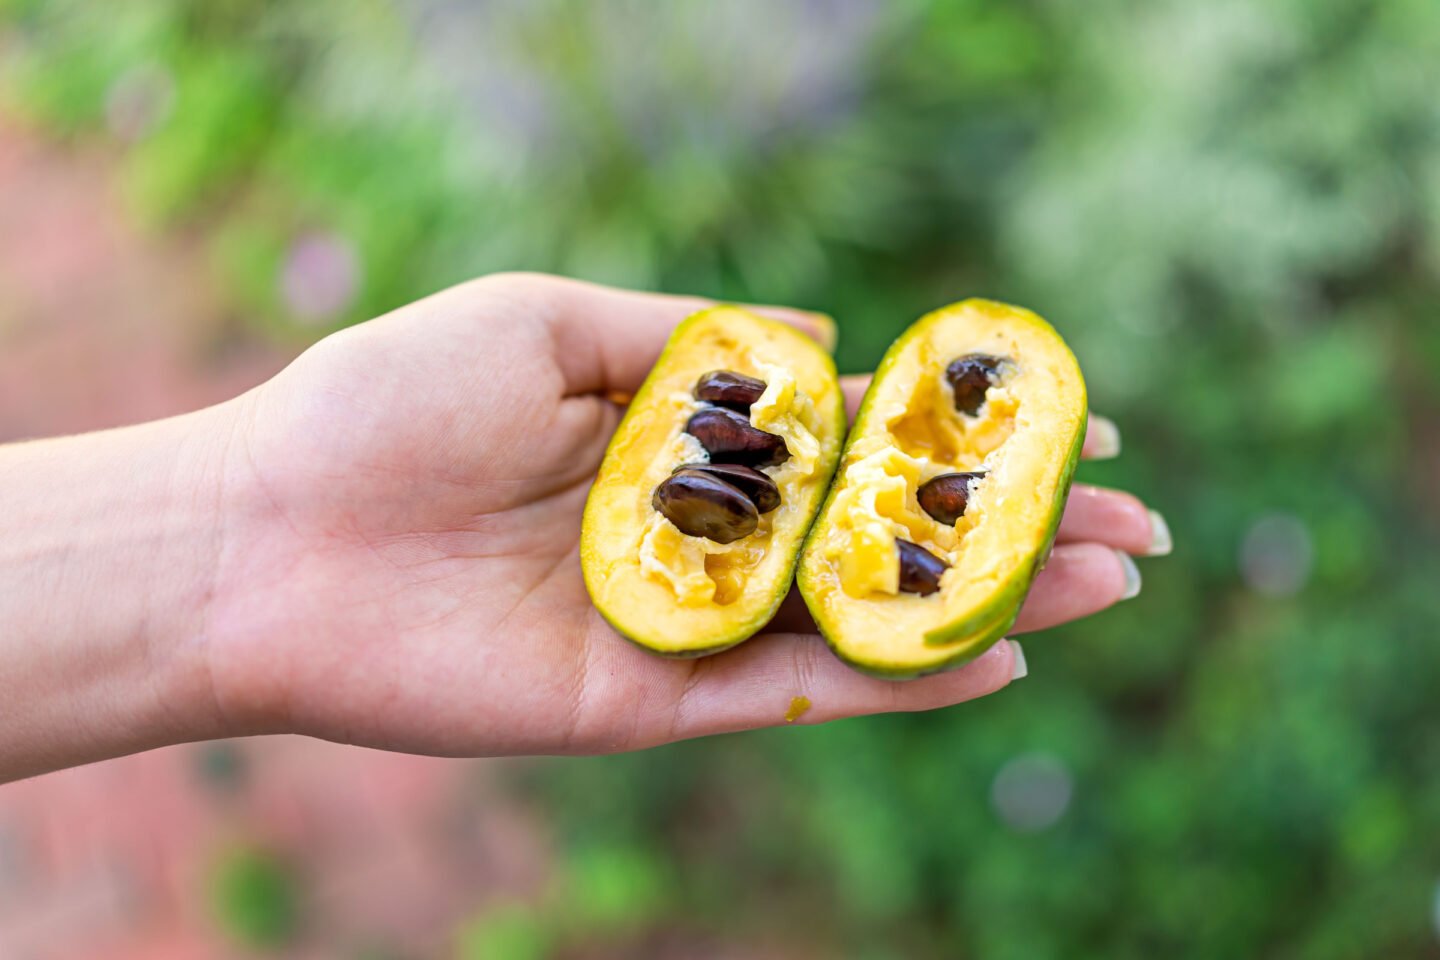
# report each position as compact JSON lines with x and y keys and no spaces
{"x":102,"y":325}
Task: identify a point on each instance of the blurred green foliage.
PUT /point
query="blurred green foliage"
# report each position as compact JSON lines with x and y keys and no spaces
{"x":1232,"y":211}
{"x":509,"y":932}
{"x":607,"y":893}
{"x":255,"y":898}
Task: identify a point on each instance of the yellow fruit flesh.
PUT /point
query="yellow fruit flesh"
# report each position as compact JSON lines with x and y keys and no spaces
{"x":701,"y":571}
{"x":908,"y":433}
{"x":680,"y":594}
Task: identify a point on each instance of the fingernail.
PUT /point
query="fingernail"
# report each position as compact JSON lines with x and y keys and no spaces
{"x":1021,"y":669}
{"x":1132,"y":575}
{"x":1160,"y":543}
{"x":1104,"y":438}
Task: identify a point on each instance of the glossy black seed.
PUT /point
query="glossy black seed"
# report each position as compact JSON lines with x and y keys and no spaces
{"x":729,"y":438}
{"x":761,"y":490}
{"x":920,"y":569}
{"x":701,"y":505}
{"x":724,"y":388}
{"x":946,"y":496}
{"x":970,"y":376}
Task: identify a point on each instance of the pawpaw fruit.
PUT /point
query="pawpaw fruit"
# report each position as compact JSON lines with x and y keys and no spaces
{"x":694,"y":523}
{"x":949,"y":491}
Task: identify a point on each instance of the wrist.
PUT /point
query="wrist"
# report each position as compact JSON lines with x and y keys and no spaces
{"x":108,"y":552}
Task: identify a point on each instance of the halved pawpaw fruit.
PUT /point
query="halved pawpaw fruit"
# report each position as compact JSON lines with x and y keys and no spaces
{"x":695,"y":521}
{"x":949,"y":492}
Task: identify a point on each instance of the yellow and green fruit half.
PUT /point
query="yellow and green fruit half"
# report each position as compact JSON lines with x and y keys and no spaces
{"x":949,"y":491}
{"x":694,"y":524}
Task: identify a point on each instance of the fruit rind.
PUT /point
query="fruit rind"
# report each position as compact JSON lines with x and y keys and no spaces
{"x":963,"y":639}
{"x":638,"y":625}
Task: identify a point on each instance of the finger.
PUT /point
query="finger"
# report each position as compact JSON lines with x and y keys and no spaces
{"x":607,"y":339}
{"x":1080,"y":579}
{"x":571,"y":445}
{"x":1113,"y":518}
{"x":854,"y":385}
{"x":1102,"y":439}
{"x":759,"y":685}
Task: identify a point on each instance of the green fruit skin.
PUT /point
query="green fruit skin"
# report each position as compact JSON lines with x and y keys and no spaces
{"x":742,"y":633}
{"x":1013,"y":591}
{"x":978,"y":632}
{"x":747,"y":628}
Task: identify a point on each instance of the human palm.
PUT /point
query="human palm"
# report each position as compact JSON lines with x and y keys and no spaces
{"x":405,"y":572}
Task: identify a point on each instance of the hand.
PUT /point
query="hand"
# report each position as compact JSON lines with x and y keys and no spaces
{"x":407,"y":575}
{"x":379,"y":546}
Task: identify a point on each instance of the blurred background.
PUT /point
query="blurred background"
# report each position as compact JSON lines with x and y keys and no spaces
{"x":1230,"y":209}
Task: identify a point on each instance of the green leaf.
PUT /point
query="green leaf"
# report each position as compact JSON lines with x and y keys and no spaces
{"x":255,"y":898}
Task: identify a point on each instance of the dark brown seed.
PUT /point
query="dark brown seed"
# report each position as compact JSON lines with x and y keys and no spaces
{"x":970,"y":376}
{"x":729,"y":438}
{"x":701,"y":505}
{"x":946,"y":496}
{"x":759,"y":488}
{"x":725,"y":388}
{"x":920,"y":569}
{"x":729,"y":389}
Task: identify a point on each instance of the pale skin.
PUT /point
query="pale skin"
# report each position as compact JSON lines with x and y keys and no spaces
{"x":379,"y":546}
